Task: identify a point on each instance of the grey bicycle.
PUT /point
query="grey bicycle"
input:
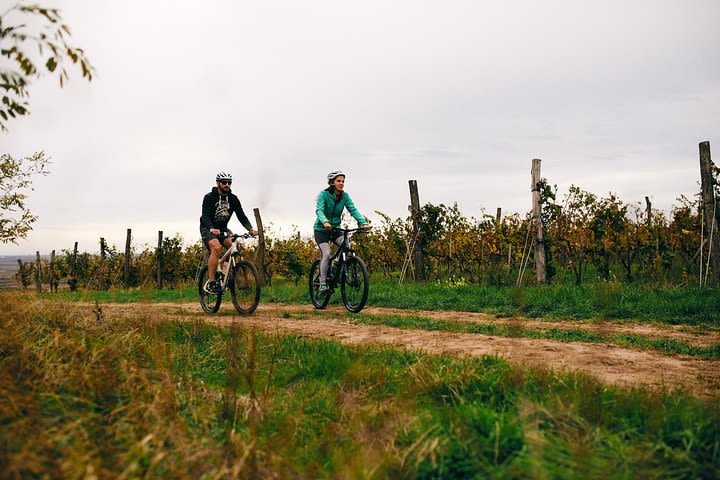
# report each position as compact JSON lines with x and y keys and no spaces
{"x":235,"y":274}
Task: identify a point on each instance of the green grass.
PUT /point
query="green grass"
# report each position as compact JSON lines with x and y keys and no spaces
{"x":136,"y":398}
{"x":592,"y":301}
{"x":600,"y":300}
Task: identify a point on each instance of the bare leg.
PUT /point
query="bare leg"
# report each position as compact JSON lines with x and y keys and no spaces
{"x":215,"y":249}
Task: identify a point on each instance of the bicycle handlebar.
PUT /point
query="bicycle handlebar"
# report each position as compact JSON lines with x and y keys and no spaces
{"x":348,"y":230}
{"x":244,"y":236}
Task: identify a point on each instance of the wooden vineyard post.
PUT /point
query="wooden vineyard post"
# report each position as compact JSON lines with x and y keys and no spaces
{"x":38,"y":267}
{"x":100,"y":279}
{"x":415,"y":214}
{"x":709,"y":212}
{"x":648,"y":223}
{"x":21,"y":274}
{"x":127,"y":258}
{"x":52,"y":272}
{"x":498,"y":218}
{"x":261,"y":247}
{"x":159,"y":260}
{"x":540,"y":266}
{"x":73,"y":281}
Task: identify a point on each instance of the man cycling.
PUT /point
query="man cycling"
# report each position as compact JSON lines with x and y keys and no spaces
{"x":217,"y":209}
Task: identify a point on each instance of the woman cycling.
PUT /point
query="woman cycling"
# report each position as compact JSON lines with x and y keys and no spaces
{"x":330,"y":205}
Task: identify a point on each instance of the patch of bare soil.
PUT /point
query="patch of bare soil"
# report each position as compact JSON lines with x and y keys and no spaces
{"x":611,"y":364}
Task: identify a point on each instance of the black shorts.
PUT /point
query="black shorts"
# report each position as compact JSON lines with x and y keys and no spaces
{"x":207,"y":236}
{"x":322,"y":236}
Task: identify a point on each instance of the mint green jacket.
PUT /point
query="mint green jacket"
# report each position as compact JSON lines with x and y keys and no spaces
{"x":328,"y":210}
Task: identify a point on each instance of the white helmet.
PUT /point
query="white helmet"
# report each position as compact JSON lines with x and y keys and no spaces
{"x":222,"y":175}
{"x":331,"y":176}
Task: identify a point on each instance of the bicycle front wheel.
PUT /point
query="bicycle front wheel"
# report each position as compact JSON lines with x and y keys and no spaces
{"x":245,"y":287}
{"x":210,"y":302}
{"x":354,"y":284}
{"x":318,"y":300}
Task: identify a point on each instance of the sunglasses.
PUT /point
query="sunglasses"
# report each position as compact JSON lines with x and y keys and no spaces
{"x":225,"y":182}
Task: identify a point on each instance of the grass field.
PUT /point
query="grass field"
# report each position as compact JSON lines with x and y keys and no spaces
{"x":83,"y":396}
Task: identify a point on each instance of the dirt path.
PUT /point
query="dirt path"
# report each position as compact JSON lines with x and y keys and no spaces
{"x":609,"y":363}
{"x":675,"y":332}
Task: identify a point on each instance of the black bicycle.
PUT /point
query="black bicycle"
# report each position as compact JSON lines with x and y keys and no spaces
{"x":345,"y":269}
{"x":238,"y":275}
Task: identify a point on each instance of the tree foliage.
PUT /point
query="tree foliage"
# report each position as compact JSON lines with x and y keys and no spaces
{"x":33,"y":41}
{"x":15,"y":181}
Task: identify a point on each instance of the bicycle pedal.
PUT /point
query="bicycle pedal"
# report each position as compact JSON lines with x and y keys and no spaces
{"x":213,"y":289}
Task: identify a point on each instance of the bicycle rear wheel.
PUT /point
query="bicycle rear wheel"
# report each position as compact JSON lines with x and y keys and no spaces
{"x":318,"y":300}
{"x":354,"y":284}
{"x":245,"y":287}
{"x":210,"y":302}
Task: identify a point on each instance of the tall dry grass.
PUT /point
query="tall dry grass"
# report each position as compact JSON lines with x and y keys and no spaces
{"x":86,"y":397}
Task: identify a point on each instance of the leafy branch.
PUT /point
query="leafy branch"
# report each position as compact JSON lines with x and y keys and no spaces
{"x":26,"y":53}
{"x":15,"y":179}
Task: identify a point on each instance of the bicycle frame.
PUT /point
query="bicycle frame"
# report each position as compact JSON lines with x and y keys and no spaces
{"x":341,"y":254}
{"x":228,"y":259}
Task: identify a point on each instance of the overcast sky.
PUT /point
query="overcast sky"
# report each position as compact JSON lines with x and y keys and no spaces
{"x":459,"y":95}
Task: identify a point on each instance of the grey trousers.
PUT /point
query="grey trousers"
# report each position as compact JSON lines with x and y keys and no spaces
{"x":323,"y":241}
